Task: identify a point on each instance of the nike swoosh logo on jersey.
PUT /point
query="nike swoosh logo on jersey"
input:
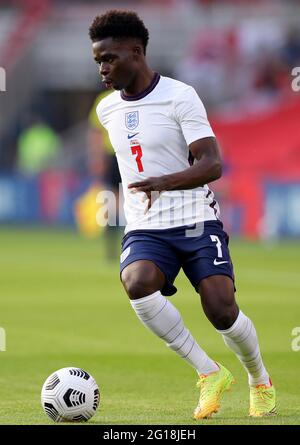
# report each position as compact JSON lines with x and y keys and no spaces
{"x":130,"y":136}
{"x":217,"y":263}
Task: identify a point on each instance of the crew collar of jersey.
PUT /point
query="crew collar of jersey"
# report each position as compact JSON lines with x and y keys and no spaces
{"x":144,"y":93}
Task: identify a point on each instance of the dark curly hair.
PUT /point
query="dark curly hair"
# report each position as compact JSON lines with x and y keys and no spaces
{"x":119,"y":24}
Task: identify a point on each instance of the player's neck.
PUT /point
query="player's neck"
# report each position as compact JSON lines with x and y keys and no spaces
{"x":141,"y":83}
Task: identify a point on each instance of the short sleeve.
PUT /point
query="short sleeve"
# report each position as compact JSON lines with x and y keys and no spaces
{"x":191,"y":116}
{"x":102,"y":128}
{"x":99,"y":115}
{"x":96,"y":115}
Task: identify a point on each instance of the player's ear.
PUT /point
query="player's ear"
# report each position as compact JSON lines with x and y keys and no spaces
{"x":137,"y":52}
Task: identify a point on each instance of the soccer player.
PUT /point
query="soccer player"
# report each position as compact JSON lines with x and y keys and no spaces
{"x":167,"y":154}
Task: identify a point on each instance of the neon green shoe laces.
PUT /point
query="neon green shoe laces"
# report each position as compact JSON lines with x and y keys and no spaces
{"x":262,"y":400}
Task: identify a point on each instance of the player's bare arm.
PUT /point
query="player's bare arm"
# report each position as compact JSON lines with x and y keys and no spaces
{"x":208,"y":168}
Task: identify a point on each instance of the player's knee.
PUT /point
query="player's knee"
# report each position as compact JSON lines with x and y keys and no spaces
{"x":139,"y":283}
{"x":225,"y":318}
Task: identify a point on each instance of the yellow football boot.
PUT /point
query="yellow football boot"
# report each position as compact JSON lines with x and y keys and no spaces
{"x":212,"y":387}
{"x":262,"y":400}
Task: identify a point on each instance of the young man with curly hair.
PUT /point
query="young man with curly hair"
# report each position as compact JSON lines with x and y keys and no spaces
{"x":167,"y":154}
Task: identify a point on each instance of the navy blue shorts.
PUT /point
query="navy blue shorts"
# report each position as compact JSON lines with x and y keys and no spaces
{"x":199,"y":256}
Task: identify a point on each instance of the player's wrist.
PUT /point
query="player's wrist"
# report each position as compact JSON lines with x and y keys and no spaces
{"x":171,"y":182}
{"x":179,"y":181}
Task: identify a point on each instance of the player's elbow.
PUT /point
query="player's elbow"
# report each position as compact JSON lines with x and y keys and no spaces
{"x":216,"y":170}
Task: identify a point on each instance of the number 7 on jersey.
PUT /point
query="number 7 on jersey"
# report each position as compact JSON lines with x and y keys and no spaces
{"x":137,"y":150}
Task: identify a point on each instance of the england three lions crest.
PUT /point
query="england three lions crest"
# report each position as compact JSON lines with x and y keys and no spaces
{"x":132,"y":120}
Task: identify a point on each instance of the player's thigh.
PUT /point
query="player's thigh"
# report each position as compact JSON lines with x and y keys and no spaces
{"x":160,"y":264}
{"x":141,"y":278}
{"x":218,"y":289}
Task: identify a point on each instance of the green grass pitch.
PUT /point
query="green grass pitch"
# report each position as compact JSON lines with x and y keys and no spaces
{"x":63,"y":305}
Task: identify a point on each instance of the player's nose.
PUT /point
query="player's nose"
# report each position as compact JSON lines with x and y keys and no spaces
{"x":104,"y":69}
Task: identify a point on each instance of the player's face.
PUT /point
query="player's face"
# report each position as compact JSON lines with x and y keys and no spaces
{"x":118,"y":62}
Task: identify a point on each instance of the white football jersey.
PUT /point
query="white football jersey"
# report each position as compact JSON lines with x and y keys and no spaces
{"x":150,"y":134}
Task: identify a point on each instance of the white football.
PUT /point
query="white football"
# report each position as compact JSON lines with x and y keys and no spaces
{"x":70,"y":395}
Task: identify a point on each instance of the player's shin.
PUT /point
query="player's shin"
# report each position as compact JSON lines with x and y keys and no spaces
{"x":161,"y":316}
{"x":242,"y":339}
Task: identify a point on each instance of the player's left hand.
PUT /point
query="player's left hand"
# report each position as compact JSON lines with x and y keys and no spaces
{"x":152,"y":187}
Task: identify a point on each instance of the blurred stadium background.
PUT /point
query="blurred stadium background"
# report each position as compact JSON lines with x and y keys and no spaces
{"x":238,"y":55}
{"x":59,"y":292}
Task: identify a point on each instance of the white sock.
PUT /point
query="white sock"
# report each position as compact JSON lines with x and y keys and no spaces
{"x":159,"y":315}
{"x":241,"y":338}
